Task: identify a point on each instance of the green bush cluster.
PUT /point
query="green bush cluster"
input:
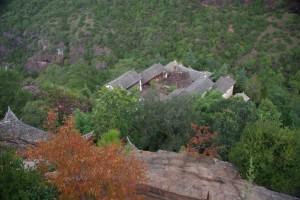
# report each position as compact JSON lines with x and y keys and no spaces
{"x":275,"y":153}
{"x":17,"y":182}
{"x":11,"y":92}
{"x":110,"y":137}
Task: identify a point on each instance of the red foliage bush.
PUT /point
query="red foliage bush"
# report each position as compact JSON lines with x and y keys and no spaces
{"x":84,"y":171}
{"x":201,"y":142}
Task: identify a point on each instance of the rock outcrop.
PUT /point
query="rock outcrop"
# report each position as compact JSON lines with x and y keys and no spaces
{"x":172,"y":176}
{"x":39,"y":62}
{"x":184,"y":176}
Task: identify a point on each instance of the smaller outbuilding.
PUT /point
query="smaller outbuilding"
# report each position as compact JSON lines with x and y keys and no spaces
{"x":243,"y":95}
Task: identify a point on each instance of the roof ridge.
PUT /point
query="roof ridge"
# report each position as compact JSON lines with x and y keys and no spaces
{"x":120,"y":77}
{"x":152,"y":67}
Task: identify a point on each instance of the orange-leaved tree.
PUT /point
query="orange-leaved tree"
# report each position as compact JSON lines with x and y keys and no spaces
{"x":81,"y":170}
{"x":51,"y":121}
{"x":202,"y":141}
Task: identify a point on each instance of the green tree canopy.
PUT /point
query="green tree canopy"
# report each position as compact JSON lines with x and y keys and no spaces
{"x":115,"y":109}
{"x":84,"y":121}
{"x":253,"y":88}
{"x":75,"y":77}
{"x":267,"y":111}
{"x":226,"y":116}
{"x":163,"y":124}
{"x":275,"y":152}
{"x":34,"y":113}
{"x":11,"y":93}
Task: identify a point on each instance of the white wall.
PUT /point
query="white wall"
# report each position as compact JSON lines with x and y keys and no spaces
{"x":228,"y":93}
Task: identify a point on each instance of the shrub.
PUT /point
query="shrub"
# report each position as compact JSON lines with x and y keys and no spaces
{"x":109,"y":138}
{"x":34,"y":113}
{"x":202,"y":142}
{"x":34,"y":74}
{"x":171,"y":88}
{"x":84,"y":121}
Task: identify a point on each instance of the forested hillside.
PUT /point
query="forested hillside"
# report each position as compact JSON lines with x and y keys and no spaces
{"x":63,"y":52}
{"x":258,"y":43}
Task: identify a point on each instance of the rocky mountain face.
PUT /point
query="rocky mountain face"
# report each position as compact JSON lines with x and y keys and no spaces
{"x":182,"y":176}
{"x":42,"y":53}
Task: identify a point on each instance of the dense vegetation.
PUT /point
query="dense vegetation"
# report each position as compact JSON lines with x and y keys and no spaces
{"x":11,"y":93}
{"x":256,"y":43}
{"x":275,"y":154}
{"x":17,"y":182}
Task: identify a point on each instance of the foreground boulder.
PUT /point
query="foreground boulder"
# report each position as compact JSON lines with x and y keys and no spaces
{"x":184,"y":176}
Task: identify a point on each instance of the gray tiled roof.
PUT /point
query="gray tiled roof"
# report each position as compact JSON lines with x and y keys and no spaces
{"x":194,"y":74}
{"x":223,"y":84}
{"x":177,"y":92}
{"x":152,"y":72}
{"x":243,"y":95}
{"x":126,"y":80}
{"x":12,"y":127}
{"x":201,"y":85}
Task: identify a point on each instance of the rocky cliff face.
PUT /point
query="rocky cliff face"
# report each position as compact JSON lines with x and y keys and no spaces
{"x":183,"y":176}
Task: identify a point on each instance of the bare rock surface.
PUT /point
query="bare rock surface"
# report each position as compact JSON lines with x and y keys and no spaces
{"x":98,"y":51}
{"x":77,"y":51}
{"x":39,"y":62}
{"x":184,"y":176}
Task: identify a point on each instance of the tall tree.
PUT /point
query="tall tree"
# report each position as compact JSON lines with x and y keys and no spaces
{"x":115,"y":109}
{"x":163,"y":124}
{"x":253,"y":88}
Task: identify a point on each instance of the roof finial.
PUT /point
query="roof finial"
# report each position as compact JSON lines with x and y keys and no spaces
{"x":10,"y":115}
